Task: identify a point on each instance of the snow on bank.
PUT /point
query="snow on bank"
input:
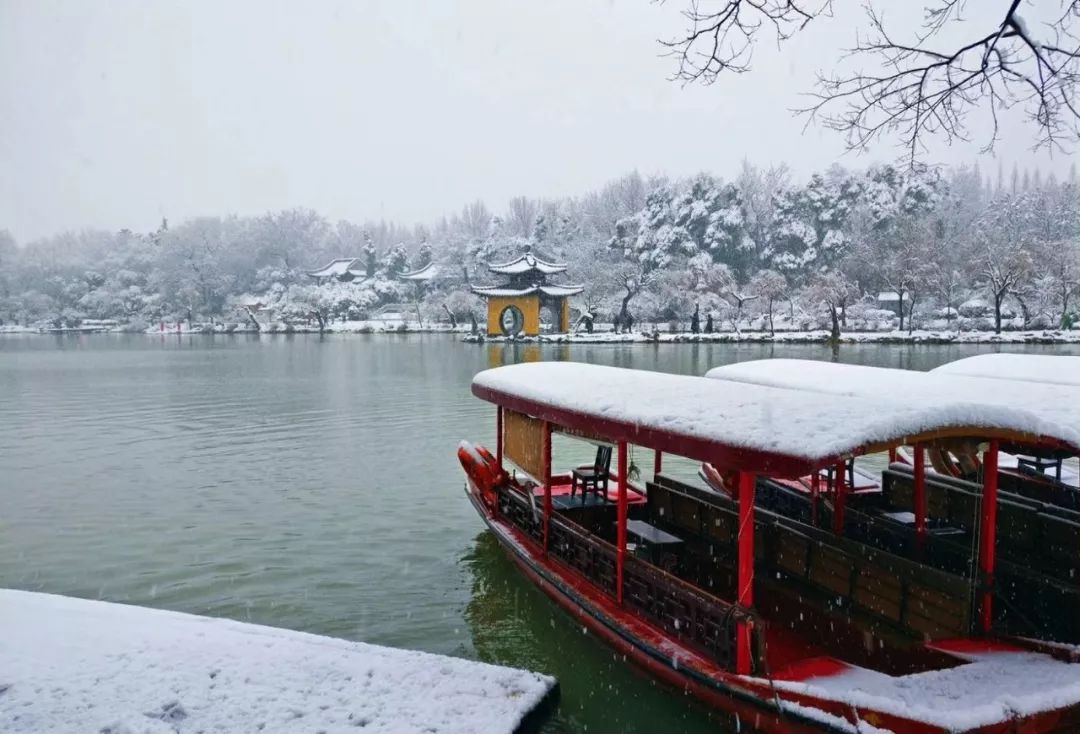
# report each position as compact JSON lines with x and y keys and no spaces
{"x":805,"y":337}
{"x":374,"y":326}
{"x":75,"y":665}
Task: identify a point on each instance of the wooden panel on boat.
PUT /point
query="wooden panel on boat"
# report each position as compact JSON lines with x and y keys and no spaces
{"x":792,"y":554}
{"x":937,"y":613}
{"x":1017,"y":525}
{"x":718,"y":525}
{"x":684,"y":513}
{"x":879,"y":592}
{"x":1060,"y":539}
{"x":907,"y":595}
{"x":831,"y":569}
{"x":524,"y":442}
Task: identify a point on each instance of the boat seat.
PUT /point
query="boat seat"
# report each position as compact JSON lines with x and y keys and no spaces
{"x":916,"y":600}
{"x":594,"y":477}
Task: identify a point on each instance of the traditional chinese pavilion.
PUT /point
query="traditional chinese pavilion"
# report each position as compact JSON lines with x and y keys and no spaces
{"x":514,"y":307}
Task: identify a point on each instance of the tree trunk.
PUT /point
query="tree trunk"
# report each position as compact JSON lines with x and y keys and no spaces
{"x":322,"y":322}
{"x":835,"y":336}
{"x":997,"y":313}
{"x":251,"y":317}
{"x":911,"y":315}
{"x":772,"y":330}
{"x":473,"y":326}
{"x":901,"y":309}
{"x":624,"y":311}
{"x":1064,"y":310}
{"x":1024,"y":311}
{"x":453,"y":321}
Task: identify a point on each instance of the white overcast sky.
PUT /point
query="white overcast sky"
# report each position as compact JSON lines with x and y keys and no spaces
{"x":114,"y":113}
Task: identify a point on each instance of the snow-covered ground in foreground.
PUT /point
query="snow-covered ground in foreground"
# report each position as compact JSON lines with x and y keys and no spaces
{"x":73,"y":665}
{"x":810,"y":337}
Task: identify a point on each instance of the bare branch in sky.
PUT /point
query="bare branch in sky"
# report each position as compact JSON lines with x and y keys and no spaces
{"x":911,"y":89}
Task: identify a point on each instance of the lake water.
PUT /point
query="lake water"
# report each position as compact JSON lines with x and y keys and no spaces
{"x":311,"y":483}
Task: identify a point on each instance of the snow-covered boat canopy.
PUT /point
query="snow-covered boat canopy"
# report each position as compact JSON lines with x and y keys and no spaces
{"x":526,"y":263}
{"x":1045,"y":413}
{"x":1049,"y":368}
{"x":555,"y":291}
{"x":764,"y":429}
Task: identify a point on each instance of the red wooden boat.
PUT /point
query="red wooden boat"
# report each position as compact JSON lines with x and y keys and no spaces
{"x":790,"y":626}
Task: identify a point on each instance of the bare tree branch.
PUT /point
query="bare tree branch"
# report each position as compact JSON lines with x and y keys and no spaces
{"x":912,"y":90}
{"x":727,"y":35}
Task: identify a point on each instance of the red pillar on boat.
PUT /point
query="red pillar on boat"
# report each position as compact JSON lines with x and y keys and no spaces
{"x":547,"y":482}
{"x":499,"y":436}
{"x":747,"y":482}
{"x":815,"y":490}
{"x":892,"y":455}
{"x":920,"y":491}
{"x":988,"y":534}
{"x":620,"y":540}
{"x":658,"y":463}
{"x":839,"y":500}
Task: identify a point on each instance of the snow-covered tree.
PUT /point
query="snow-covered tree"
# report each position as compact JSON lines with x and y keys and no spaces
{"x":770,"y":286}
{"x":834,"y":293}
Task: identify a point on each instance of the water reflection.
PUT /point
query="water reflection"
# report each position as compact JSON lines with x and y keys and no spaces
{"x":310,"y":482}
{"x":514,"y":623}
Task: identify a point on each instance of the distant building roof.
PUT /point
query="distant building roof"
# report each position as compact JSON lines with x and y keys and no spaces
{"x":525,"y":264}
{"x":426,"y":273}
{"x":557,"y":291}
{"x":334,"y":269}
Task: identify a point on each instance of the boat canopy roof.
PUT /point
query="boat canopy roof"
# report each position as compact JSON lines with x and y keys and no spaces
{"x":759,"y":428}
{"x":1049,"y":368}
{"x":1045,"y":414}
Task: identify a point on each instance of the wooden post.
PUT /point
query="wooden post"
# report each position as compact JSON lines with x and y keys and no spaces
{"x":747,"y":482}
{"x":838,"y":501}
{"x":920,"y":491}
{"x":892,"y":455}
{"x":658,"y":464}
{"x":620,"y":540}
{"x":988,"y":534}
{"x":815,"y":490}
{"x":547,"y":483}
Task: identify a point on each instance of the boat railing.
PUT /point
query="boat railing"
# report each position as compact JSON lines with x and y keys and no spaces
{"x":683,"y":611}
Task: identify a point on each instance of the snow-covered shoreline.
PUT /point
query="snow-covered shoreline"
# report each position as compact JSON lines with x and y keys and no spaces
{"x":919,"y":336}
{"x":78,"y":665}
{"x":803,"y":337}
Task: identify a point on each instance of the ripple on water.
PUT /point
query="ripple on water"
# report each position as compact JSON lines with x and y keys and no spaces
{"x":305,"y":483}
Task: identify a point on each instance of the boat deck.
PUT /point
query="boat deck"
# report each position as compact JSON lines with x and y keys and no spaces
{"x":996,"y":682}
{"x":561,"y":499}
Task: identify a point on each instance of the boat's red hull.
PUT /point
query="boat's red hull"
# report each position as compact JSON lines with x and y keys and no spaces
{"x":753,"y":700}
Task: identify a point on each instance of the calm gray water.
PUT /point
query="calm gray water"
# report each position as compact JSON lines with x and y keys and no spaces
{"x":310,"y":483}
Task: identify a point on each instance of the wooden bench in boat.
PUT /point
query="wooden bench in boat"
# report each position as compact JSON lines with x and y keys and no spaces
{"x":1046,"y":537}
{"x":911,"y":598}
{"x":1028,"y":483}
